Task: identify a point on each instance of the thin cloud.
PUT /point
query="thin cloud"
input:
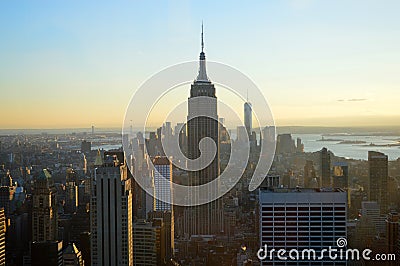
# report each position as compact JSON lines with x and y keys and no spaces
{"x":352,"y":100}
{"x":356,"y":100}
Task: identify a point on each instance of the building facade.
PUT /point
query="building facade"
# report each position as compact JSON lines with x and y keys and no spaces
{"x":301,"y":219}
{"x":162,"y":178}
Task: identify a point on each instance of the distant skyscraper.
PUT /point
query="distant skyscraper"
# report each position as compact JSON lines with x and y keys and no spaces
{"x":325,"y":168}
{"x":111,"y":213}
{"x":202,"y":122}
{"x":299,"y":145}
{"x":378,"y":179}
{"x":340,"y":175}
{"x":309,"y":174}
{"x":71,"y":189}
{"x":162,"y":183}
{"x":44,"y":209}
{"x":3,"y":227}
{"x":242,"y":134}
{"x":285,"y":144}
{"x":248,"y":117}
{"x":86,"y":146}
{"x":301,"y":219}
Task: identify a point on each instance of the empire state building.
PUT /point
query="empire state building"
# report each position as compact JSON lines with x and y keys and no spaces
{"x":202,"y":122}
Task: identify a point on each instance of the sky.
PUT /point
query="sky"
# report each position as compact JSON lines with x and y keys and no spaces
{"x":70,"y":64}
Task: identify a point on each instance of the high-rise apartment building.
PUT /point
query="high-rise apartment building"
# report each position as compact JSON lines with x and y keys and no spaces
{"x":301,"y":219}
{"x":111,"y":213}
{"x":378,"y":179}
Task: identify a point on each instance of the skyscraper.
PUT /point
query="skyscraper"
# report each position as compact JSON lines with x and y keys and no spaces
{"x":248,"y":119}
{"x":202,"y":122}
{"x":302,"y":219}
{"x":325,"y":168}
{"x":44,"y":209}
{"x":162,"y":176}
{"x":163,"y":210}
{"x":111,"y":213}
{"x":378,"y":179}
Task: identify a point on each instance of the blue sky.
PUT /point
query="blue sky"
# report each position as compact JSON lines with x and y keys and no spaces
{"x":62,"y":62}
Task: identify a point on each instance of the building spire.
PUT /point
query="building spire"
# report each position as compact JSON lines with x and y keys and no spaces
{"x":202,"y":76}
{"x":202,"y":38}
